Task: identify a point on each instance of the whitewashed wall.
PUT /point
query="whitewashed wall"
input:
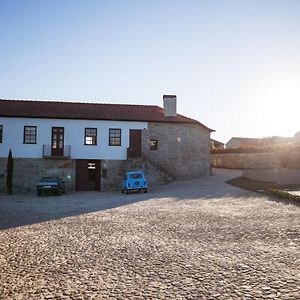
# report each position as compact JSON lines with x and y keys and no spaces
{"x":13,"y":129}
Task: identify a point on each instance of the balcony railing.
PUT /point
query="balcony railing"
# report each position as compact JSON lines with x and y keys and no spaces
{"x":49,"y":152}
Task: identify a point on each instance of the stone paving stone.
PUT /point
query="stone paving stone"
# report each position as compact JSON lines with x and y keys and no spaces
{"x":200,"y":239}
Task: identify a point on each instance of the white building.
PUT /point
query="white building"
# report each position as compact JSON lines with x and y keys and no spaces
{"x":91,"y":144}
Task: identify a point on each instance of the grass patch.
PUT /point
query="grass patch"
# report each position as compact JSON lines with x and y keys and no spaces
{"x":282,"y":194}
{"x":255,"y":185}
{"x":268,"y":188}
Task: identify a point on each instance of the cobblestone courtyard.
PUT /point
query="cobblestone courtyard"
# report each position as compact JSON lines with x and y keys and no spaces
{"x":199,"y":239}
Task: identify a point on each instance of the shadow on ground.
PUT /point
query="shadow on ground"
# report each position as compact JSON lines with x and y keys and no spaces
{"x":20,"y":210}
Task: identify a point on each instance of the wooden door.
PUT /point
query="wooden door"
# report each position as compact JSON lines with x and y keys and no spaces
{"x":135,"y":145}
{"x":57,"y":145}
{"x":88,"y":175}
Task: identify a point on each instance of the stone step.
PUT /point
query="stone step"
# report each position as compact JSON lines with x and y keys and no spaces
{"x":154,"y":174}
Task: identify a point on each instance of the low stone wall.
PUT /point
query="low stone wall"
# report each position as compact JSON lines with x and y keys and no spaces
{"x":257,"y":161}
{"x":27,"y":172}
{"x":114,"y":170}
{"x":282,"y":176}
{"x":264,"y":161}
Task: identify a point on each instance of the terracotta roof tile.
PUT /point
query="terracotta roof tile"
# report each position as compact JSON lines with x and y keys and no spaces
{"x":88,"y":111}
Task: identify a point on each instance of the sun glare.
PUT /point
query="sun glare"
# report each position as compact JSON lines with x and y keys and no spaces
{"x":280,"y":106}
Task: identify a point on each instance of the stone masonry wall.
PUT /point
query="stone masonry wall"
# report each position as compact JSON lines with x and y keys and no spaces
{"x":183,"y":149}
{"x":115,"y":170}
{"x":245,"y":161}
{"x":27,"y":172}
{"x":258,"y":161}
{"x":281,"y":176}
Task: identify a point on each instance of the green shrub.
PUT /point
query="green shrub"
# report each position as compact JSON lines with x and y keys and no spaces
{"x":282,"y":194}
{"x":267,"y":188}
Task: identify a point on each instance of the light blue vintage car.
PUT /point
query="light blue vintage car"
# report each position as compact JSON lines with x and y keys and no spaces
{"x":134,"y":181}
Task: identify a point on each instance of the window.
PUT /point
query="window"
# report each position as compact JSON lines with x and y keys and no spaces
{"x":90,"y":136}
{"x":136,"y":176}
{"x":1,"y":133}
{"x":153,"y":144}
{"x":29,"y":135}
{"x":92,"y":171}
{"x":114,"y":137}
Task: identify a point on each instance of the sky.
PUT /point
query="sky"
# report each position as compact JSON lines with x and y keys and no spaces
{"x":234,"y":65}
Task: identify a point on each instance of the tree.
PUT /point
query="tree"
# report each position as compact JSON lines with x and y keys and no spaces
{"x":9,"y":177}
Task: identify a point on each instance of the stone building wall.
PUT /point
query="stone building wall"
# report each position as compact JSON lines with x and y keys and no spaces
{"x":27,"y":172}
{"x":183,"y":149}
{"x":3,"y":167}
{"x":114,"y":170}
{"x":183,"y":152}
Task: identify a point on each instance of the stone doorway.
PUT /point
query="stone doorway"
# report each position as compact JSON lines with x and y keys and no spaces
{"x":88,"y":175}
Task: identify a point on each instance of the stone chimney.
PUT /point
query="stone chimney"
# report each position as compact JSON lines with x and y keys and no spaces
{"x":170,"y":105}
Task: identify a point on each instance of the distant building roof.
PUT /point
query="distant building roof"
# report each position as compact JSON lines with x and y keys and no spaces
{"x":89,"y":111}
{"x":215,"y":141}
{"x":217,"y":144}
{"x":246,"y":141}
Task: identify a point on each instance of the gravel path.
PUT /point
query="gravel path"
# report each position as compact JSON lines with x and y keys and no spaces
{"x":199,"y":239}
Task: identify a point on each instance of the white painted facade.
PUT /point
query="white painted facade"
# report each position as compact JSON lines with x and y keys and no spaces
{"x":13,"y":130}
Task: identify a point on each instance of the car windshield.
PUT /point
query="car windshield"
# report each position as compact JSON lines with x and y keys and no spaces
{"x":49,"y":179}
{"x":136,"y":176}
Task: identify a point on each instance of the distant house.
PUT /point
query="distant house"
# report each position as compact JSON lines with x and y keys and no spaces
{"x":91,"y":145}
{"x":239,"y":142}
{"x":216,"y":144}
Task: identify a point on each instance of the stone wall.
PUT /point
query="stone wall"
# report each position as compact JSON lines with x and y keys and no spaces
{"x":281,"y":176}
{"x":3,"y":164}
{"x":114,"y":170}
{"x":27,"y":172}
{"x":183,"y":149}
{"x":260,"y":161}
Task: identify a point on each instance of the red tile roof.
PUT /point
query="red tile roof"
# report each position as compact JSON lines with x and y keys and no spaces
{"x":88,"y":111}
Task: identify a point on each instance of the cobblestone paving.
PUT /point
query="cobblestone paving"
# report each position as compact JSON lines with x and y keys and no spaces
{"x":199,"y":239}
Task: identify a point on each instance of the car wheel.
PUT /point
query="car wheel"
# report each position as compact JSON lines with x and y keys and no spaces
{"x":127,"y":192}
{"x":145,"y":190}
{"x":39,"y":193}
